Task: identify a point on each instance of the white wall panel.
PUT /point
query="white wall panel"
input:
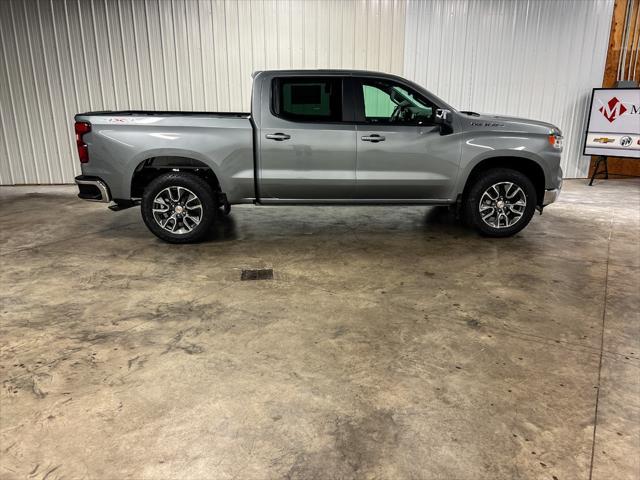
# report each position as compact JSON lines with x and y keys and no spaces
{"x":537,"y":59}
{"x":530,"y":58}
{"x":60,"y":57}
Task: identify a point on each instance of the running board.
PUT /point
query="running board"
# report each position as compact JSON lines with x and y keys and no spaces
{"x":123,"y":205}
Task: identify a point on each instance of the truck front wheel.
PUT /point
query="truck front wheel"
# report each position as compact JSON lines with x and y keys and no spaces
{"x":500,"y":202}
{"x":178,"y":207}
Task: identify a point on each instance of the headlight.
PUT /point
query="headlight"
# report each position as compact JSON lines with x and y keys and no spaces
{"x":556,"y":139}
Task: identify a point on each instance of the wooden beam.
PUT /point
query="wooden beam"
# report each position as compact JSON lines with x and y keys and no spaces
{"x":618,"y":165}
{"x":615,"y":44}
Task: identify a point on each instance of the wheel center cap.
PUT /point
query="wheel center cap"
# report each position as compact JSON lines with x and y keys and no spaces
{"x":500,"y":204}
{"x":179,"y":209}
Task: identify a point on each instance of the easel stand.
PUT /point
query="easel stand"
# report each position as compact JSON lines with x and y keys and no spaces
{"x":601,"y":159}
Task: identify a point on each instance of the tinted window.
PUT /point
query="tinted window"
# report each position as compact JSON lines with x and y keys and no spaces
{"x":309,"y":99}
{"x":385,"y":102}
{"x":377,"y":103}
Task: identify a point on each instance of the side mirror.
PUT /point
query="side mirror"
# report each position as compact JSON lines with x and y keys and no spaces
{"x":444,"y":118}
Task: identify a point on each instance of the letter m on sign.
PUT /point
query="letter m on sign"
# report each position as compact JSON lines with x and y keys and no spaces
{"x":612,"y":109}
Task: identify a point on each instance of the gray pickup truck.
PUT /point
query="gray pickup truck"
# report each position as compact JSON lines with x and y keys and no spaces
{"x":319,"y":137}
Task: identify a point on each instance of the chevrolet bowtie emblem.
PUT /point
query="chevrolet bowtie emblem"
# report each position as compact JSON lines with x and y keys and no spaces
{"x":603,"y":140}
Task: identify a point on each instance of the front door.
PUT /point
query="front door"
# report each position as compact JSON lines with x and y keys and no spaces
{"x":401,"y":154}
{"x":307,"y":150}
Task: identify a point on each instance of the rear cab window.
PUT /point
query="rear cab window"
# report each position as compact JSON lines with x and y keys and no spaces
{"x":308,"y":99}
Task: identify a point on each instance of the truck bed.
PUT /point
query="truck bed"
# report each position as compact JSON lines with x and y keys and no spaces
{"x":119,"y":142}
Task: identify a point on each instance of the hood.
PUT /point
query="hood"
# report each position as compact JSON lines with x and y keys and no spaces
{"x":506,"y":123}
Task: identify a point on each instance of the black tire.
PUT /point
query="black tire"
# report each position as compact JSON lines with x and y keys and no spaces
{"x":500,"y":177}
{"x":187,"y":184}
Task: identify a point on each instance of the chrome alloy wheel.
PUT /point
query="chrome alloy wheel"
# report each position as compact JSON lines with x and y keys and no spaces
{"x":177,"y":210}
{"x":502,"y":205}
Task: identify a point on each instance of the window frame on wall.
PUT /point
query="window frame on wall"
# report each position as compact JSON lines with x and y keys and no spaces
{"x":359,"y":113}
{"x":344,"y":103}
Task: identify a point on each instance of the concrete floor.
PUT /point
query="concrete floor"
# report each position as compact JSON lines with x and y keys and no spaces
{"x":391,"y":344}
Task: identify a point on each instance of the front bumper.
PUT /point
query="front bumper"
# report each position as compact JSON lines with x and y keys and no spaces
{"x":93,"y":189}
{"x":552,"y":195}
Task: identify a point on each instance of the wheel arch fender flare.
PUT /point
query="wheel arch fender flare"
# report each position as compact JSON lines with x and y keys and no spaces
{"x":147,"y":155}
{"x":525,"y":162}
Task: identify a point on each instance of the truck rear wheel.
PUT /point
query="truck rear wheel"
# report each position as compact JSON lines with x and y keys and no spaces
{"x":178,"y":207}
{"x":500,"y":202}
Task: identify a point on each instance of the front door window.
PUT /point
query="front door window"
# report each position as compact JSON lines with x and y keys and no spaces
{"x":386,"y":103}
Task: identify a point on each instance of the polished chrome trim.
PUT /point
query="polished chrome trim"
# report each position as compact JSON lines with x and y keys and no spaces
{"x":105,"y":196}
{"x":550,"y":196}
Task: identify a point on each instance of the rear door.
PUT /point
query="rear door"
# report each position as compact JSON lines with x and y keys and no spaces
{"x":307,"y":142}
{"x":401,"y":154}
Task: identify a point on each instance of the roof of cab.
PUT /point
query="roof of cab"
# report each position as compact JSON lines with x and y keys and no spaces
{"x":326,"y":71}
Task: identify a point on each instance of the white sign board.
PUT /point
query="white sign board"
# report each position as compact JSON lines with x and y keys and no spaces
{"x":613,"y":129}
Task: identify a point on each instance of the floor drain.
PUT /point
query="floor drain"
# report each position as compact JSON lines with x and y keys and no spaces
{"x":257,"y":274}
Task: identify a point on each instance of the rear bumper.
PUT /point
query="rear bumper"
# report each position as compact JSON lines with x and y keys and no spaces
{"x":93,"y":189}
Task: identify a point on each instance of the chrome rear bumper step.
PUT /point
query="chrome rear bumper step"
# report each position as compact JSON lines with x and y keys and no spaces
{"x":93,"y":189}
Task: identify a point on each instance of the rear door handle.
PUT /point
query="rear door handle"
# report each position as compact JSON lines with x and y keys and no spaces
{"x":375,"y":138}
{"x":278,"y":137}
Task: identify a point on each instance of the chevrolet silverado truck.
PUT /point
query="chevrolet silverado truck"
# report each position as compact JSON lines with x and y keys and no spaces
{"x":319,"y":137}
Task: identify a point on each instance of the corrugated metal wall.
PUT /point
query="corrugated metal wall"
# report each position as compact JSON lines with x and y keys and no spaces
{"x":61,"y":57}
{"x":536,"y":59}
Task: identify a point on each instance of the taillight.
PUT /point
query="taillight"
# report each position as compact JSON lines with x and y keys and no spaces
{"x":83,"y":150}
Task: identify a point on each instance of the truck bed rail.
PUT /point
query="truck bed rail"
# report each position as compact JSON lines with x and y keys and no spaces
{"x":168,"y":113}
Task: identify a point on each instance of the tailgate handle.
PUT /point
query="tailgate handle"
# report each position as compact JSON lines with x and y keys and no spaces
{"x":278,"y":137}
{"x":373,"y":138}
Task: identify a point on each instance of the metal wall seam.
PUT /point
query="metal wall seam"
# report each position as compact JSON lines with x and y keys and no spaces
{"x":7,"y":111}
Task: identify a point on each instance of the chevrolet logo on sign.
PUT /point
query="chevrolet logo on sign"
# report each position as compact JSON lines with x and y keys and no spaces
{"x":603,"y":140}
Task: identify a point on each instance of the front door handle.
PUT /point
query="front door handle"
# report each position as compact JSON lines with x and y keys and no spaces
{"x":375,"y":138}
{"x":278,"y":137}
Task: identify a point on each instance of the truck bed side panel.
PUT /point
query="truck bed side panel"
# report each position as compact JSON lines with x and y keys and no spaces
{"x":119,"y":143}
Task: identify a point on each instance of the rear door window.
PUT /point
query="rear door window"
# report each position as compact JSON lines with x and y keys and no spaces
{"x":308,"y":99}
